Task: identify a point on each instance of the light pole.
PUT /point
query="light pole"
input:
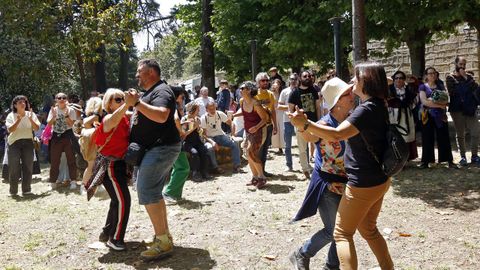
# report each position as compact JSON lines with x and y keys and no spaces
{"x":337,"y":45}
{"x":253,"y":48}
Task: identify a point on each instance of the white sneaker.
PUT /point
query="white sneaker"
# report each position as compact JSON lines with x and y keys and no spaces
{"x":73,"y":185}
{"x":83,"y":191}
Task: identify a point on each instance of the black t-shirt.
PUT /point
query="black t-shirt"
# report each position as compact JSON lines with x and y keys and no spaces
{"x":361,"y":167}
{"x":305,"y":99}
{"x":147,"y":132}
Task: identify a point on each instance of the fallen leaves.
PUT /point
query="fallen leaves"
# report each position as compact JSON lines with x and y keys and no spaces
{"x":270,"y":257}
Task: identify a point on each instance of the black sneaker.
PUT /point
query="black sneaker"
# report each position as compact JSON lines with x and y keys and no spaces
{"x":267,"y":174}
{"x":117,"y":245}
{"x":423,"y":165}
{"x":103,"y":237}
{"x":299,"y":261}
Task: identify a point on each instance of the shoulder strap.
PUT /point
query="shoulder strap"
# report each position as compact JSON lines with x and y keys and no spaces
{"x":108,"y":139}
{"x":370,"y":148}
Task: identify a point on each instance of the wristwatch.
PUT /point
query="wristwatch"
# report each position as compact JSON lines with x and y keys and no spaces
{"x":136,"y":103}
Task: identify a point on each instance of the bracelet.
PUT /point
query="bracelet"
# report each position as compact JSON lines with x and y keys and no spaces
{"x":136,"y":103}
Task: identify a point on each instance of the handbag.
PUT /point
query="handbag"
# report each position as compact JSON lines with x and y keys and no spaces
{"x":134,"y":154}
{"x":99,"y":169}
{"x":396,"y":152}
{"x":47,"y":134}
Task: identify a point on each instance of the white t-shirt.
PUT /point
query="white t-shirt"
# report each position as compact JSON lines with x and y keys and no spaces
{"x":213,"y":124}
{"x":24,"y":128}
{"x":202,"y":104}
{"x":284,"y":99}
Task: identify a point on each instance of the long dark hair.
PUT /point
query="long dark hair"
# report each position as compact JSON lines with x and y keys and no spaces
{"x":374,"y":79}
{"x":17,"y":99}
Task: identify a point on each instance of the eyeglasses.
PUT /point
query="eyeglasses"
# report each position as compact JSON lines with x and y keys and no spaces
{"x":60,"y":98}
{"x":307,"y":76}
{"x":431,"y":73}
{"x":244,"y":88}
{"x":119,"y":99}
{"x":399,"y":78}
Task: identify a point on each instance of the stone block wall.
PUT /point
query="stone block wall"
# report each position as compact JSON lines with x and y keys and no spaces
{"x":440,"y":53}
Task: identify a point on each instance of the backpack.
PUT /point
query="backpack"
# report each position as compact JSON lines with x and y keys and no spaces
{"x":396,"y":152}
{"x":88,"y":148}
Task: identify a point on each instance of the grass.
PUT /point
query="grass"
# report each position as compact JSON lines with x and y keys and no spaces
{"x":34,"y":241}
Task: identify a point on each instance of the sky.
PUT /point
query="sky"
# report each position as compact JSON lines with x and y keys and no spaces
{"x":140,"y":38}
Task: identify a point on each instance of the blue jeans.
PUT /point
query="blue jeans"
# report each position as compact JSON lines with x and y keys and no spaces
{"x":224,"y":140}
{"x":266,"y":145}
{"x":211,"y":155}
{"x":289,"y":131}
{"x":154,"y":170}
{"x":327,"y":208}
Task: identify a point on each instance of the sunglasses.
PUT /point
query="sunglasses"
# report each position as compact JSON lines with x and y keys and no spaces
{"x":60,"y":98}
{"x":399,"y":78}
{"x":264,"y":80}
{"x":119,"y":99}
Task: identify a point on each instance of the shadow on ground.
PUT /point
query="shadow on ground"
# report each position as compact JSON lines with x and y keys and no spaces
{"x":441,"y":187}
{"x":182,"y":258}
{"x":277,"y":189}
{"x":189,"y":205}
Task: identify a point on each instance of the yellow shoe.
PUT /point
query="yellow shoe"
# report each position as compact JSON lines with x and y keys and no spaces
{"x":161,"y":247}
{"x":149,"y":244}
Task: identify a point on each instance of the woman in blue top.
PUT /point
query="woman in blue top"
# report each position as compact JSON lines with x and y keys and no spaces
{"x":367,"y":183}
{"x":328,"y":177}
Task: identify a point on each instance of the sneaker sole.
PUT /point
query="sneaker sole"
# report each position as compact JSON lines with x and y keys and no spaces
{"x":112,"y":246}
{"x":161,"y":256}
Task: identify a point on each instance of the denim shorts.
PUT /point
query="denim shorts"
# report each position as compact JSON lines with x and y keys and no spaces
{"x":154,"y":170}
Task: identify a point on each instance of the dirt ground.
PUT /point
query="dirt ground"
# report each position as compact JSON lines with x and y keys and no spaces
{"x":430,"y":219}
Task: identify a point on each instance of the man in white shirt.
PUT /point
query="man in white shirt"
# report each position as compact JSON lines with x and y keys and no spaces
{"x":289,"y":130}
{"x":202,"y":101}
{"x":211,"y":122}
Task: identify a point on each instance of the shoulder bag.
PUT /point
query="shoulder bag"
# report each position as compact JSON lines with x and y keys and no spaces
{"x":396,"y":152}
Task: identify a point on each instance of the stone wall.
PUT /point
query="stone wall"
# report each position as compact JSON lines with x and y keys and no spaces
{"x":440,"y":53}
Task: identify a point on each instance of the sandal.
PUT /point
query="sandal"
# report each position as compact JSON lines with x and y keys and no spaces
{"x":261,"y":183}
{"x":253,"y":182}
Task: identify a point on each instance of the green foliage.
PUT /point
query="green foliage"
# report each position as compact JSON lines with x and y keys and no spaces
{"x":288,"y":33}
{"x":45,"y":44}
{"x":411,"y":21}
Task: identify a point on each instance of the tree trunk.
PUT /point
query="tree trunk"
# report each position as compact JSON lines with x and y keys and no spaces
{"x":100,"y":76}
{"x":123,"y":69}
{"x":83,"y":78}
{"x":416,"y":48}
{"x":208,"y":57}
{"x":359,"y":31}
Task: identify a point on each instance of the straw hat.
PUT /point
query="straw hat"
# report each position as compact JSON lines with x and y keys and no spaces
{"x":332,"y":90}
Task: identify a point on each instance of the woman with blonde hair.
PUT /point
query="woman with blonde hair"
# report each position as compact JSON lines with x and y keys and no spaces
{"x":112,"y":142}
{"x":94,"y":115}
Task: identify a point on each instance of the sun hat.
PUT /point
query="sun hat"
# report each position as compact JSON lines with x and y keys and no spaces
{"x":248,"y":84}
{"x":272,"y":69}
{"x":332,"y":90}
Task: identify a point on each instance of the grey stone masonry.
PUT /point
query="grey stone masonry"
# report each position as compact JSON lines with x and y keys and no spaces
{"x":440,"y":54}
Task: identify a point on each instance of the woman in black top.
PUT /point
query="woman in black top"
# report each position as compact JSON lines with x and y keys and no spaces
{"x":367,"y":184}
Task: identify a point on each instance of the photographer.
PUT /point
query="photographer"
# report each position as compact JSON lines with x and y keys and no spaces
{"x":463,"y":91}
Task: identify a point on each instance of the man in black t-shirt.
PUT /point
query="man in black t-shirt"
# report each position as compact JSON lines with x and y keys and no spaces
{"x":306,"y":98}
{"x":153,"y":126}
